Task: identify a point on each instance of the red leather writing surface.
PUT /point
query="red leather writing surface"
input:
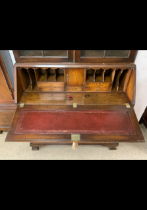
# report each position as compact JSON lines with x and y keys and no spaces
{"x":74,"y":122}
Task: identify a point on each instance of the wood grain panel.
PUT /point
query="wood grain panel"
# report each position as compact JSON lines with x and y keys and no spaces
{"x":50,"y":86}
{"x":76,"y":77}
{"x":4,"y":89}
{"x":98,"y":87}
{"x":6,"y":75}
{"x":115,"y":98}
{"x":74,"y":89}
{"x":124,"y":79}
{"x":24,"y":77}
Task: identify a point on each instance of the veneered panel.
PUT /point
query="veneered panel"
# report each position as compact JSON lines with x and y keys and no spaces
{"x":75,"y":77}
{"x":4,"y":89}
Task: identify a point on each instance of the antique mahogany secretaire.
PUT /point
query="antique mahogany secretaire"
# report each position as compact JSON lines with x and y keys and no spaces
{"x":75,"y":97}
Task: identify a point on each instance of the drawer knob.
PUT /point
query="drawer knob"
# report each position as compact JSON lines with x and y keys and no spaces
{"x":98,"y":85}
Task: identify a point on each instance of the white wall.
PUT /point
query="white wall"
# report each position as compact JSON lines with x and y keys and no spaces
{"x":141,"y":81}
{"x":12,"y":56}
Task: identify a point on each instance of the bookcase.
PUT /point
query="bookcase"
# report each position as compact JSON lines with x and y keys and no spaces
{"x":87,"y":100}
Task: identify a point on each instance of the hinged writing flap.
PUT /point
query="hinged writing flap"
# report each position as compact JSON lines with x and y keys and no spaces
{"x":56,"y":123}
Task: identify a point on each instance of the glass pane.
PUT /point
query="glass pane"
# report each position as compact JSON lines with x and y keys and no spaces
{"x":92,"y":53}
{"x":30,"y":52}
{"x":54,"y":53}
{"x":117,"y":53}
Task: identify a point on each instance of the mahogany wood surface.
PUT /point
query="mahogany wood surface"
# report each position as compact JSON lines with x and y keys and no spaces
{"x":65,"y":138}
{"x":102,"y":84}
{"x":7,"y":106}
{"x":80,"y":59}
{"x":51,"y":86}
{"x":6,"y":76}
{"x":4,"y":89}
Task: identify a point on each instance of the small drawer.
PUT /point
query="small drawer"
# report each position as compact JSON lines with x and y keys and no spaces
{"x":74,"y":89}
{"x":93,"y":84}
{"x":45,"y":86}
{"x":100,"y":87}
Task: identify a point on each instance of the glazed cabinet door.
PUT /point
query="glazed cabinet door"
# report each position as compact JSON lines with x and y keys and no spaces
{"x":104,"y":56}
{"x":23,"y":56}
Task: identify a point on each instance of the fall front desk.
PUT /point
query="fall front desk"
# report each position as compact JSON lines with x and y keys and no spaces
{"x":75,"y":97}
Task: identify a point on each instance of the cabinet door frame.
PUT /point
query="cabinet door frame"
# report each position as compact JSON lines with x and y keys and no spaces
{"x":46,"y":59}
{"x":80,"y":59}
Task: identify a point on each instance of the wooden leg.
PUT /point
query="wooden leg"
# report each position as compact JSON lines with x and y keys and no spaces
{"x":34,"y":147}
{"x":111,"y":146}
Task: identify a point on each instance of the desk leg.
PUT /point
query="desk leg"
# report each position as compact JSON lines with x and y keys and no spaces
{"x":111,"y":146}
{"x":34,"y":147}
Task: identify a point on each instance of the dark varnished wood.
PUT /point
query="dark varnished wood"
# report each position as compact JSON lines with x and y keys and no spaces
{"x":75,"y":65}
{"x":4,"y":89}
{"x":80,"y":59}
{"x":7,"y":106}
{"x":6,"y":76}
{"x":65,"y":138}
{"x":93,"y":85}
{"x":144,"y":118}
{"x":36,"y":146}
{"x":27,"y":59}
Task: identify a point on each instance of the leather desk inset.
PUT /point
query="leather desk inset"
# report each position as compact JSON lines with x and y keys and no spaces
{"x":68,"y":122}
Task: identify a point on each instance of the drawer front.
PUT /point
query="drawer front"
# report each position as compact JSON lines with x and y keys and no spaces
{"x":43,"y":86}
{"x":74,"y":89}
{"x":6,"y":117}
{"x":98,"y":87}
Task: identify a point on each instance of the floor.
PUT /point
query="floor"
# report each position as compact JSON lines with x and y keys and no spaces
{"x":22,"y":151}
